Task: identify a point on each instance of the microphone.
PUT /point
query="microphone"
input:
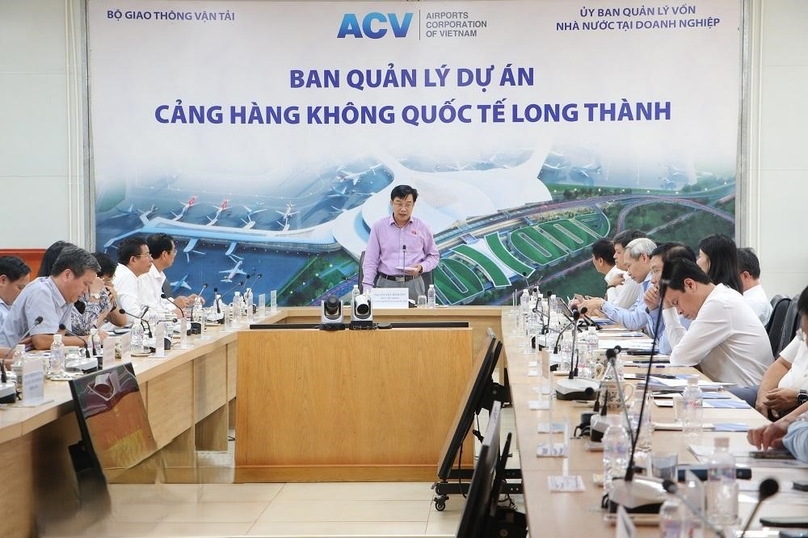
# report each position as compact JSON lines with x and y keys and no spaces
{"x":71,"y":333}
{"x":768,"y":488}
{"x":3,"y":376}
{"x":141,"y":318}
{"x":233,"y":288}
{"x":673,"y":488}
{"x":403,"y":258}
{"x":170,"y":300}
{"x":624,"y":491}
{"x":257,"y":278}
{"x":576,"y":315}
{"x":204,"y":287}
{"x":588,"y":320}
{"x":570,"y":322}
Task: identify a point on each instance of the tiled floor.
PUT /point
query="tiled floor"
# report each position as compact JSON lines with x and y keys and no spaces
{"x":222,"y":509}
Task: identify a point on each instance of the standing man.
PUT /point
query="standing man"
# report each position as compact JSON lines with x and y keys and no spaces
{"x":134,"y":260}
{"x":400,"y":248}
{"x":51,"y":298}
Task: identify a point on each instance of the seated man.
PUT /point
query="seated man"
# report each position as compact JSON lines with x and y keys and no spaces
{"x":14,"y":276}
{"x":603,"y":260}
{"x":789,"y":432}
{"x":100,"y":303}
{"x":725,"y":338}
{"x":52,"y":299}
{"x":749,"y":267}
{"x":625,"y":288}
{"x":152,"y":284}
{"x":134,"y":260}
{"x":785,"y":383}
{"x":664,"y":253}
{"x":638,"y":261}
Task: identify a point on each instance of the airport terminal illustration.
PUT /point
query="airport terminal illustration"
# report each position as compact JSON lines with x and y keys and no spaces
{"x":501,"y":221}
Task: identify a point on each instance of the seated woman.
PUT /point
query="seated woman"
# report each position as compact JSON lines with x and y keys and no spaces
{"x":718,"y":257}
{"x":100,"y":304}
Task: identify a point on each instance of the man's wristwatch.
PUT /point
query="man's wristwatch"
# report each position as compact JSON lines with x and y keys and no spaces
{"x":802,"y":397}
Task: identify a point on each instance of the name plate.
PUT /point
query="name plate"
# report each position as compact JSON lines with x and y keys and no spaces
{"x":33,"y":381}
{"x":390,"y":298}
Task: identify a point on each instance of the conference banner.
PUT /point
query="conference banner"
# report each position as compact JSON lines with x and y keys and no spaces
{"x":265,"y":137}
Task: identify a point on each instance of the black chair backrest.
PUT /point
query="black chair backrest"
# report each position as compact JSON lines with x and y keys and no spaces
{"x":790,"y":325}
{"x":774,"y":328}
{"x":776,"y":299}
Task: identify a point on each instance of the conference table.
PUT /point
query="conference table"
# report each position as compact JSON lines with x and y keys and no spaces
{"x":190,"y":400}
{"x":579,"y":513}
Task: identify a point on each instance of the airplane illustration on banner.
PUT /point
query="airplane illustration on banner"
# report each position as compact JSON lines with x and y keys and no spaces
{"x":185,"y":207}
{"x":235,"y":270}
{"x":224,"y":206}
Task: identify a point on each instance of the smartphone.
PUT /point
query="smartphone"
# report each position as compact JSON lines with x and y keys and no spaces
{"x":771,"y":454}
{"x":794,"y":534}
{"x":800,"y":485}
{"x":793,"y":522}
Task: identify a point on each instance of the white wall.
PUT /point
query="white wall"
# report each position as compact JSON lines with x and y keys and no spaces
{"x":43,"y":132}
{"x":778,"y":160}
{"x":42,"y":155}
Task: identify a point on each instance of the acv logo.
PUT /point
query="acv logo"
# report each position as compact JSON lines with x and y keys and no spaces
{"x":374,"y":25}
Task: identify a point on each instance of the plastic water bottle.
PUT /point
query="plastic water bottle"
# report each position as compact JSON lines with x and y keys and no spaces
{"x":248,"y":303}
{"x":692,"y":410}
{"x":589,"y":349}
{"x":646,"y":427}
{"x":722,"y":487}
{"x":430,"y":296}
{"x":354,"y":294}
{"x":693,"y":492}
{"x":16,"y":365}
{"x":238,"y":308}
{"x":137,"y":335}
{"x":95,"y":343}
{"x":198,"y":314}
{"x":670,"y":518}
{"x":56,"y":362}
{"x":552,"y":310}
{"x":524,"y":308}
{"x":616,"y":447}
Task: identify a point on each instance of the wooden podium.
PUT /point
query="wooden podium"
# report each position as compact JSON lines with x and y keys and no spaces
{"x":366,"y":405}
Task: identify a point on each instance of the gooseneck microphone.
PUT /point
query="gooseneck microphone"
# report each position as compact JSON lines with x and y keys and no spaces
{"x":170,"y":300}
{"x":611,"y":356}
{"x":768,"y":488}
{"x":404,"y":258}
{"x":71,"y":333}
{"x":257,"y":278}
{"x":571,"y":322}
{"x":673,"y":488}
{"x":234,"y":287}
{"x":203,"y":288}
{"x":630,"y":469}
{"x":141,"y":317}
{"x":589,"y":321}
{"x":3,"y":376}
{"x":576,"y":315}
